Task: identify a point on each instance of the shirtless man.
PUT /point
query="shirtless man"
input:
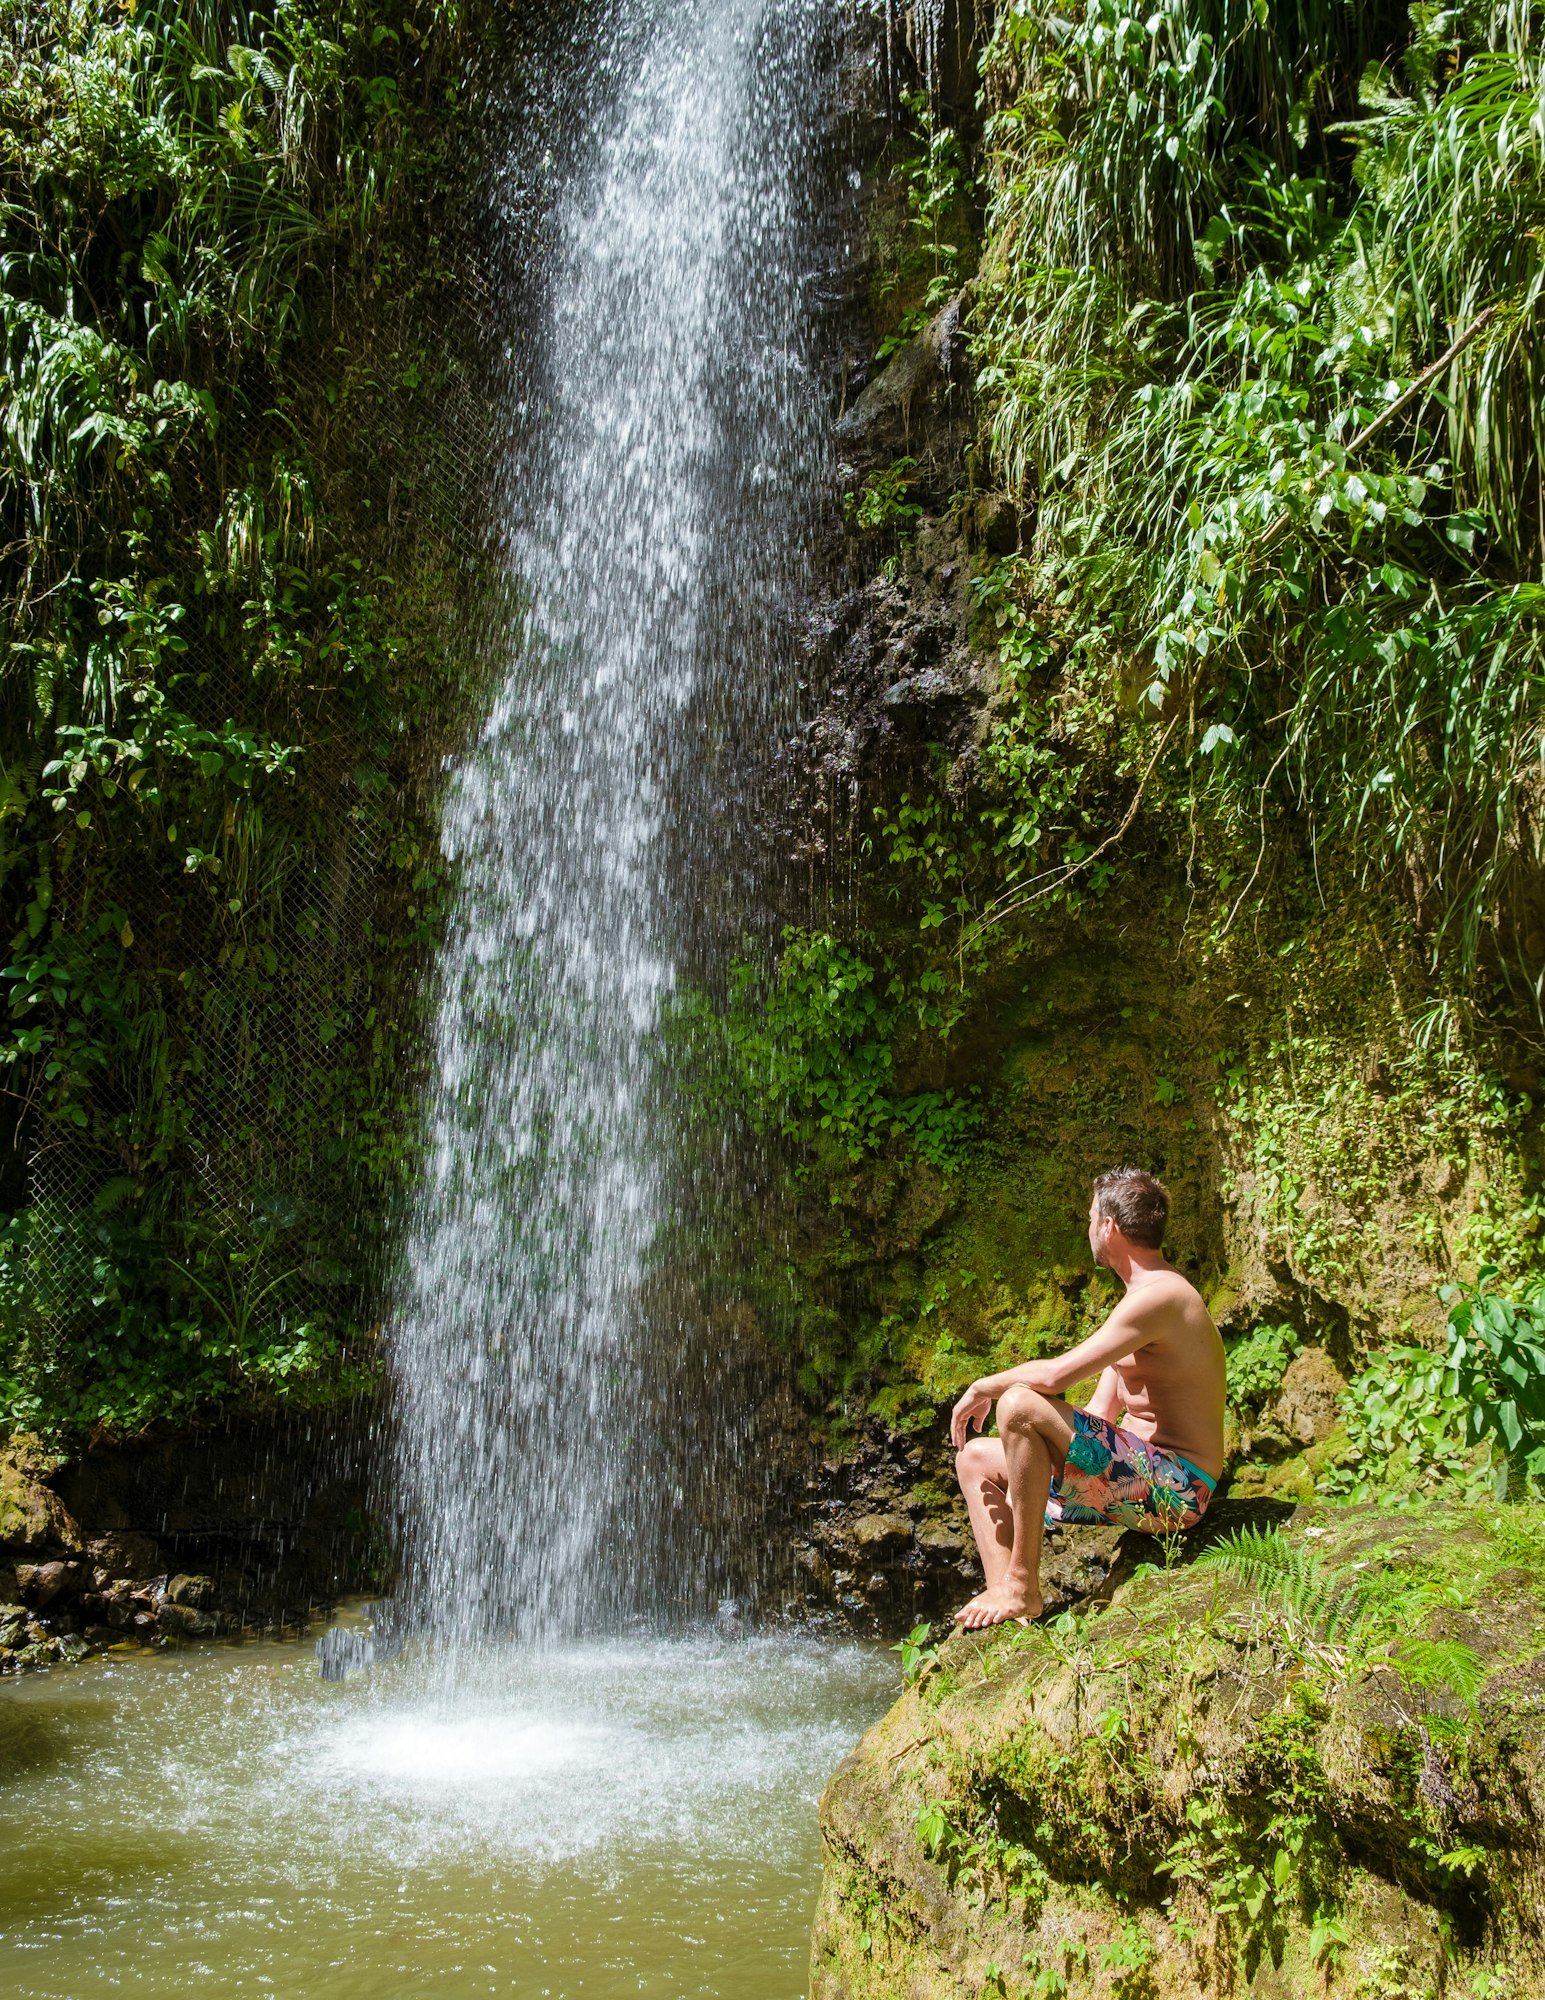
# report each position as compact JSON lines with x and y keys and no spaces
{"x":1147,"y":1450}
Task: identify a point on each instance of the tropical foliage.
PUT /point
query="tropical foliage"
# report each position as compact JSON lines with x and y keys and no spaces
{"x":1231,"y":861}
{"x":1259,"y":333}
{"x":216,"y":240}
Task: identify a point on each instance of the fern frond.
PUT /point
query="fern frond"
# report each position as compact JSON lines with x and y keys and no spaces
{"x":1322,"y":1603}
{"x":1448,"y":1665}
{"x":1262,"y":1556}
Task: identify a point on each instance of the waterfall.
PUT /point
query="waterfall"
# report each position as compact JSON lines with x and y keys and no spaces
{"x":566,"y":1457}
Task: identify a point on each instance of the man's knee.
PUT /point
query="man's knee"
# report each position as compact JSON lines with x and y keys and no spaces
{"x":977,"y":1459}
{"x":1022,"y":1409}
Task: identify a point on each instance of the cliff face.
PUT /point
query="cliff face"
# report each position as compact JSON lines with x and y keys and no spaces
{"x":1319,"y":1771}
{"x":1047,"y":927}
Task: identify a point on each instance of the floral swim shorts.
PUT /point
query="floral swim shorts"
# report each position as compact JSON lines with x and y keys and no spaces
{"x":1113,"y":1476}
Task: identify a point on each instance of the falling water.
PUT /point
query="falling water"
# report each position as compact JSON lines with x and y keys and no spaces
{"x":566,"y":1461}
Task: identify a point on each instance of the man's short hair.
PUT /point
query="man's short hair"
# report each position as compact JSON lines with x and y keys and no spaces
{"x":1136,"y":1202}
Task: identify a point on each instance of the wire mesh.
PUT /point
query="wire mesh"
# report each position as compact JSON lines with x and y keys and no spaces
{"x":264,"y":1124}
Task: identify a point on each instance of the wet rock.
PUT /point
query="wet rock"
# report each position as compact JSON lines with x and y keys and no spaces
{"x":43,"y":1584}
{"x":937,"y":1538}
{"x":126,"y":1554}
{"x":13,"y":1625}
{"x":115,"y":1607}
{"x":33,"y":1519}
{"x":1308,"y":1404}
{"x":183,"y":1621}
{"x":877,"y":1534}
{"x":817,"y":1570}
{"x":194,"y":1590}
{"x":911,"y":391}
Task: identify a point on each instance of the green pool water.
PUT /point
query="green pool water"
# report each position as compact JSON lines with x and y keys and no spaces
{"x":624,"y":1817}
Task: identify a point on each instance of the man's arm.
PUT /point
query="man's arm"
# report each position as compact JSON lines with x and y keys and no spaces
{"x":1127,"y":1329}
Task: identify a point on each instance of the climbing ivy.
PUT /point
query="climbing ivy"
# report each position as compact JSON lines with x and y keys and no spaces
{"x":816,"y":1058}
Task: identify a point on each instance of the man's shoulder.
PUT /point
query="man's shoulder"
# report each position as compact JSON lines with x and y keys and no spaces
{"x":1165,"y":1294}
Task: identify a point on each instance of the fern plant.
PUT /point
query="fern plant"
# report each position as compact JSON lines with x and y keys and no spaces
{"x":1344,"y":1619}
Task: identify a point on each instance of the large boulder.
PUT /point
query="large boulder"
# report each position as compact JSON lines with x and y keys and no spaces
{"x":1217,"y":1785}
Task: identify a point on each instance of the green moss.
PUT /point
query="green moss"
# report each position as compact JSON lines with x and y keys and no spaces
{"x":1187,"y":1780}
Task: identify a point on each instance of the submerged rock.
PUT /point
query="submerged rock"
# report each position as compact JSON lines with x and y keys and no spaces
{"x":348,"y":1649}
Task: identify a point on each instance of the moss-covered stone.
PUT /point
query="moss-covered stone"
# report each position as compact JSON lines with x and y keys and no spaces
{"x":33,"y":1519}
{"x":1192,"y":1790}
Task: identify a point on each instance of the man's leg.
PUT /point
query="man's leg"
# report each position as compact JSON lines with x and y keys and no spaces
{"x":1034,"y":1432}
{"x":982,"y":1469}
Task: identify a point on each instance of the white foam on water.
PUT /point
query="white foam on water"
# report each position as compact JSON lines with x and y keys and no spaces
{"x":483,"y":1753}
{"x":699,"y":1747}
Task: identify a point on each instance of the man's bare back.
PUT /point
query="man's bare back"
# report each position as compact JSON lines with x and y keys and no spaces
{"x":1171,"y":1388}
{"x":1146,"y":1449}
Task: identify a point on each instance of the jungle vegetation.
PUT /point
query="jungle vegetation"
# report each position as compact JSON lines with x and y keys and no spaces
{"x":224,"y":663}
{"x":1253,"y":298}
{"x":1259,"y":331}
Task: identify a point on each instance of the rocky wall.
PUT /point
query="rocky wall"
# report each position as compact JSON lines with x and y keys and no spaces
{"x":255,"y":1525}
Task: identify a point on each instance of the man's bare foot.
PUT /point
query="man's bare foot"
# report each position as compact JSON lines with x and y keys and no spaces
{"x":1004,"y":1602}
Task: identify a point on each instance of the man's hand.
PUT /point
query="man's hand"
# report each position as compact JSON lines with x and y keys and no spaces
{"x":972,"y":1411}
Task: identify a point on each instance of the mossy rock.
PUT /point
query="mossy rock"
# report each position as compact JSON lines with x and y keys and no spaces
{"x":1192,"y":1791}
{"x":33,"y":1519}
